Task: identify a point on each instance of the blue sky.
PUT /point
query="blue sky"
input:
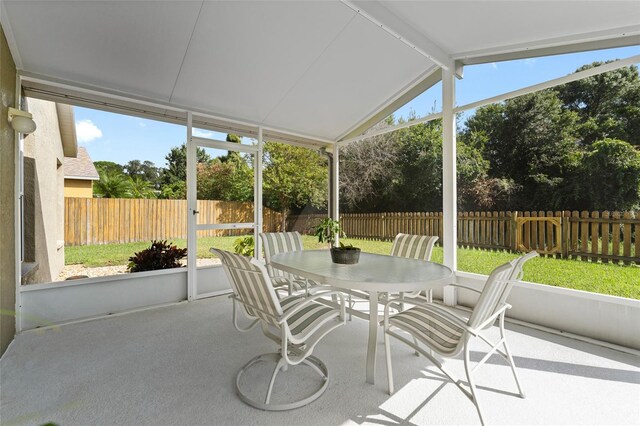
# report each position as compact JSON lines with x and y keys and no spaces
{"x":120,"y":138}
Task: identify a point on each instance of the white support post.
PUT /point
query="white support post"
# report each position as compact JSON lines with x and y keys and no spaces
{"x":17,"y":220}
{"x":335,"y":182}
{"x":192,"y":211}
{"x":257,"y":198}
{"x":449,"y":184}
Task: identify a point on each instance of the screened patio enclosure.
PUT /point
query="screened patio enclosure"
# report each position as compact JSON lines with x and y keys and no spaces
{"x":314,"y":74}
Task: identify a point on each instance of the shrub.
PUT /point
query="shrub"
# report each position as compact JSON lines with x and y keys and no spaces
{"x":244,"y":245}
{"x":159,"y":256}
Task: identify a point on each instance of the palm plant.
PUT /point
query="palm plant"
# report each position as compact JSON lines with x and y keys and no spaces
{"x":112,"y":185}
{"x":141,"y":188}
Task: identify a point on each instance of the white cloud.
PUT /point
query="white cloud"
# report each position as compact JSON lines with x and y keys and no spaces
{"x":494,"y":65}
{"x":199,"y":133}
{"x":86,"y":131}
{"x":530,"y":61}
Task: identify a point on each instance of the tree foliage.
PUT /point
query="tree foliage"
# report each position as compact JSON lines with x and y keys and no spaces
{"x":176,"y":170}
{"x":402,"y":170}
{"x":141,"y":188}
{"x":112,"y":185}
{"x":367,"y":170}
{"x":108,"y":167}
{"x":231,"y":180}
{"x":607,"y":104}
{"x":529,"y":142}
{"x":293,"y":177}
{"x":610,"y":176}
{"x":144,"y":170}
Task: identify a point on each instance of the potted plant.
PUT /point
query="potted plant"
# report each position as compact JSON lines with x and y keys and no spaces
{"x":328,"y":231}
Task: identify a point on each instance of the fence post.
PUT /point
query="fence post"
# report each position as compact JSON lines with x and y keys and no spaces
{"x":564,"y":226}
{"x":605,"y":236}
{"x":584,"y":235}
{"x":627,"y":237}
{"x":514,"y":231}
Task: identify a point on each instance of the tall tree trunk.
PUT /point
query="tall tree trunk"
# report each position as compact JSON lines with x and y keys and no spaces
{"x":285,"y":214}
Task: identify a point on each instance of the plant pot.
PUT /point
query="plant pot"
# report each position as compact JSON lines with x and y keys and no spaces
{"x":345,"y":256}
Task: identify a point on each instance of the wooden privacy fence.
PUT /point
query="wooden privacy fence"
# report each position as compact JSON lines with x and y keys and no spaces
{"x":122,"y":220}
{"x":604,"y":236}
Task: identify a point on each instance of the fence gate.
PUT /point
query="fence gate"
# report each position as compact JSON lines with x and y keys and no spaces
{"x":543,"y":234}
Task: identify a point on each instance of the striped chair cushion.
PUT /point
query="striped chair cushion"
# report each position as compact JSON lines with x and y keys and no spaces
{"x":413,"y":246}
{"x":283,"y":282}
{"x":249,"y":285}
{"x":308,"y":318}
{"x":279,"y":242}
{"x":283,"y":242}
{"x":431,"y":329}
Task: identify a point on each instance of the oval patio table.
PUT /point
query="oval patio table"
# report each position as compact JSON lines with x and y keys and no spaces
{"x":374,"y":274}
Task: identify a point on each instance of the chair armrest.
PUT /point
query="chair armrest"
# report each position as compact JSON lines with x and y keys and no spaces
{"x":458,"y":321}
{"x":311,"y":299}
{"x":493,"y":317}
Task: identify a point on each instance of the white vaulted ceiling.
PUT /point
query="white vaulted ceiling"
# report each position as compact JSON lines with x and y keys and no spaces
{"x":318,"y":69}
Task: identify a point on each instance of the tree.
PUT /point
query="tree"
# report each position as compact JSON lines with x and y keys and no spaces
{"x":607,"y":104}
{"x":232,"y":155}
{"x":228,"y":181}
{"x":141,"y":188}
{"x":418,"y":186}
{"x":174,"y":191}
{"x":112,"y":185}
{"x":293,"y":178}
{"x":176,"y":170}
{"x":529,"y":142}
{"x":367,"y":170}
{"x":610,"y":176}
{"x":145,"y":170}
{"x":108,"y":167}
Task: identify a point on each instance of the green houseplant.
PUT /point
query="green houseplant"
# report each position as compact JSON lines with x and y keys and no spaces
{"x":328,"y":231}
{"x":244,"y":245}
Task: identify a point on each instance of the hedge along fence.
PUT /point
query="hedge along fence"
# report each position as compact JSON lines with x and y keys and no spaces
{"x":123,"y":220}
{"x":604,"y":236}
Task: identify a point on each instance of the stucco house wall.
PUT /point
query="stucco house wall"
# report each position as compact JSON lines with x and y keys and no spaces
{"x":44,"y":194}
{"x":81,"y":188}
{"x":7,"y":197}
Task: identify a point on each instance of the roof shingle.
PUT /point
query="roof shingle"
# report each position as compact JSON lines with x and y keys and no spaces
{"x":80,"y":167}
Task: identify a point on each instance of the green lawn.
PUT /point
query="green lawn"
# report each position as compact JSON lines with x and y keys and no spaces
{"x":595,"y":277}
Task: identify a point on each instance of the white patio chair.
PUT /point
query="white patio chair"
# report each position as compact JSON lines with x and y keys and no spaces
{"x":296,"y":323}
{"x":410,"y":246}
{"x":448,"y":334}
{"x":414,"y":247}
{"x":418,"y":247}
{"x":282,"y":242}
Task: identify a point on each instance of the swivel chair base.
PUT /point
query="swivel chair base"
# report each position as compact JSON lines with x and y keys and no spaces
{"x":311,"y":361}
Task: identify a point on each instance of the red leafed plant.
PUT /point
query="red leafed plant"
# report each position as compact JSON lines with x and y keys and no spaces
{"x":159,"y":256}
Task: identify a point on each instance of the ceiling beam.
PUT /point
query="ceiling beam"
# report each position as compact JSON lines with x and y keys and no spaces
{"x":413,"y":90}
{"x":619,"y":37}
{"x":509,"y":95}
{"x":78,"y":94}
{"x":425,"y":119}
{"x":379,"y":15}
{"x":579,"y":75}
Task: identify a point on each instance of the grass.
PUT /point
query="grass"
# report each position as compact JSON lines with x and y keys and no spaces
{"x":616,"y":280}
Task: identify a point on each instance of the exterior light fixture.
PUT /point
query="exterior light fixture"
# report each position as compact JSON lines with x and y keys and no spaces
{"x":21,"y":121}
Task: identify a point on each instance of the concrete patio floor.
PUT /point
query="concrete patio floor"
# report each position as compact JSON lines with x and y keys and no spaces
{"x":176,"y":366}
